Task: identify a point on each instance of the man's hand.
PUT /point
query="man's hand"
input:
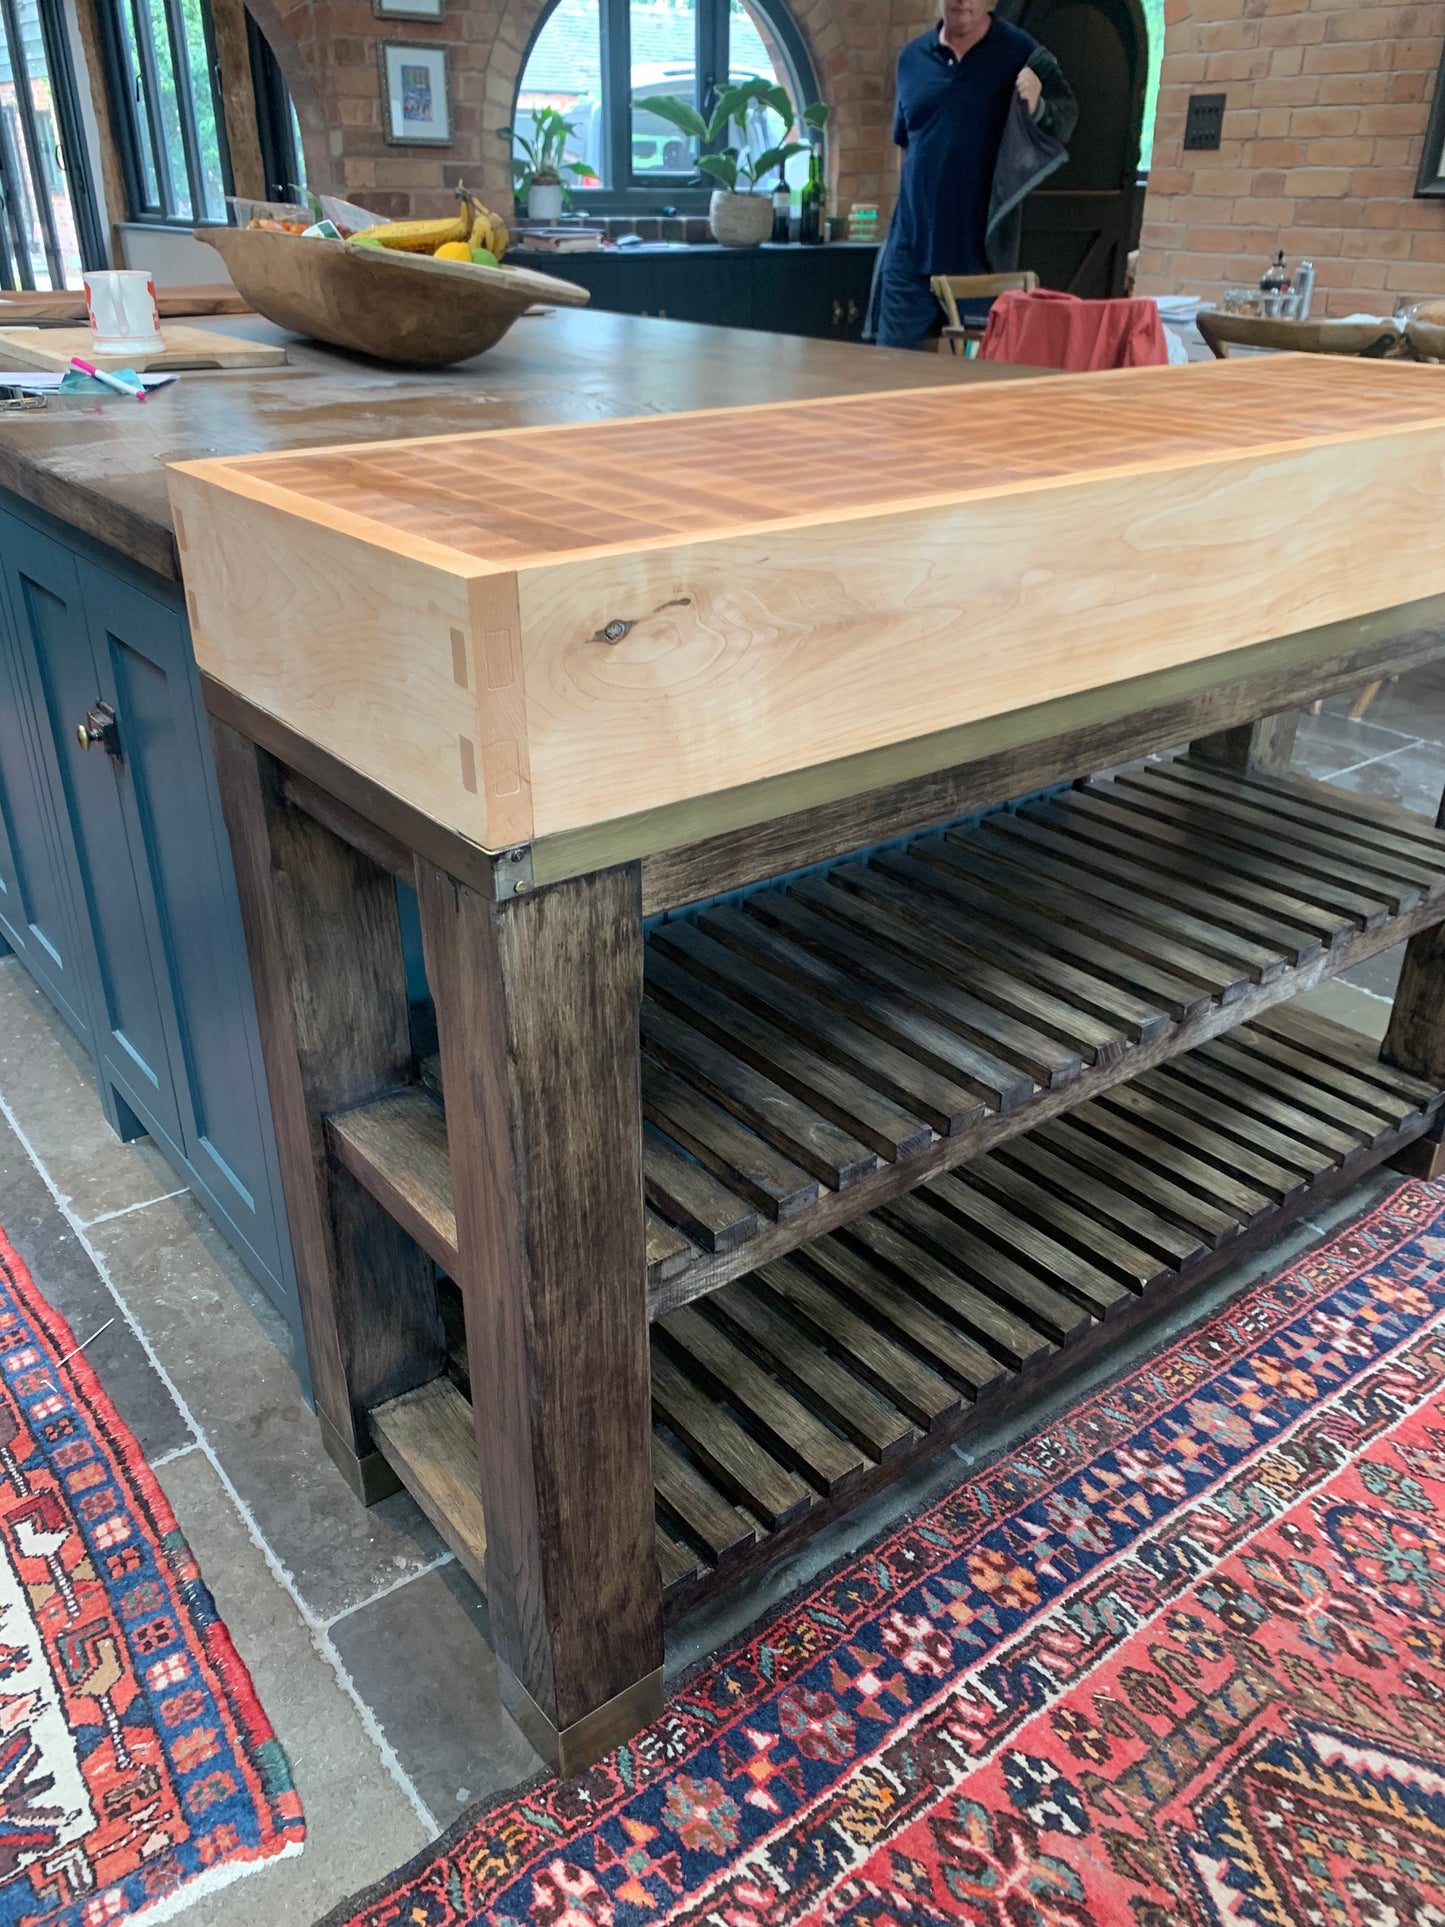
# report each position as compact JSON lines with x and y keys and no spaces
{"x":1029,"y":88}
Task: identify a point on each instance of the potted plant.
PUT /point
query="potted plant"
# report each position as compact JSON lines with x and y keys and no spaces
{"x":538,"y":164}
{"x":741,"y":214}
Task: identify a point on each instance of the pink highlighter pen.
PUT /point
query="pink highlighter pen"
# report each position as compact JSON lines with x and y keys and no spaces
{"x":111,"y":381}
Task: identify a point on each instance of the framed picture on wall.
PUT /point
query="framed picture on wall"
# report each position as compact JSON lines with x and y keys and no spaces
{"x":1431,"y":178}
{"x":416,"y":106}
{"x":408,"y":9}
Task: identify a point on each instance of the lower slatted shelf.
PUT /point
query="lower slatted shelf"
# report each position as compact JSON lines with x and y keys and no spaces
{"x":793,"y":1391}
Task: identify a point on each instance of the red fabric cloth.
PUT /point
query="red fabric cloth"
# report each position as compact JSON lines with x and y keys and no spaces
{"x":1050,"y":330}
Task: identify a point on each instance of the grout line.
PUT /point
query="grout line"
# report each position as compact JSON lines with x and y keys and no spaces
{"x":108,"y":1217}
{"x":407,"y":1579}
{"x":320,"y":1638}
{"x":1349,"y":769}
{"x":176,"y":1452}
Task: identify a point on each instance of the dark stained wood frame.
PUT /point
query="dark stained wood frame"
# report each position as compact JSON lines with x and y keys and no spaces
{"x":537,"y":992}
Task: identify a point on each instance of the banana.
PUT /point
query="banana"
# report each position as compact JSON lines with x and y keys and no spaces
{"x":481,"y":228}
{"x":500,"y":240}
{"x":425,"y":237}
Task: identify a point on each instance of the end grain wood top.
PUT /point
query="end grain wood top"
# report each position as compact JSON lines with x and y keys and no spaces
{"x":527,"y":495}
{"x":530,"y":634}
{"x":101,"y":468}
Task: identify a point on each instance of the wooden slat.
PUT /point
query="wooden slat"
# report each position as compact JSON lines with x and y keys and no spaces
{"x":1274,"y":1055}
{"x":896,"y":1302}
{"x":746,"y":1163}
{"x":1418,"y":831}
{"x":1269,"y":935}
{"x":690,"y":1196}
{"x":1027,"y":1244}
{"x":427,"y":1439}
{"x":1255,"y":1074}
{"x":781,"y":1344}
{"x":868,"y":1349}
{"x":928,"y":957}
{"x":397,"y":1147}
{"x":1194,"y":1152}
{"x":687,"y":1499}
{"x":668,"y":1252}
{"x":676,"y":1566}
{"x":731,"y":1456}
{"x":810,"y":1140}
{"x":1105,"y":818}
{"x":795,"y":1436}
{"x":1325,"y":1141}
{"x":947,"y":1104}
{"x":895,"y":1019}
{"x":1083,"y":1231}
{"x":1338,"y":1045}
{"x":1185,"y":942}
{"x":825,"y":1087}
{"x":1155,"y":1230}
{"x":1135,"y":1161}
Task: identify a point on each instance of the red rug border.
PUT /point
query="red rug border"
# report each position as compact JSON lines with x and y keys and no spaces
{"x":349,"y":1912}
{"x":216,"y":1641}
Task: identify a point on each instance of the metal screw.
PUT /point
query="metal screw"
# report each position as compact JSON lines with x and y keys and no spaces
{"x":515,"y":856}
{"x":518,"y":888}
{"x":616,"y":630}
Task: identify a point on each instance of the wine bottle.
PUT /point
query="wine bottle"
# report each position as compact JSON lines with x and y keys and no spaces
{"x":813,"y":209}
{"x":782,"y":212}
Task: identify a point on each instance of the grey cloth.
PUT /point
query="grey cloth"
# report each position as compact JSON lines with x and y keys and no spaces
{"x":1032,"y":148}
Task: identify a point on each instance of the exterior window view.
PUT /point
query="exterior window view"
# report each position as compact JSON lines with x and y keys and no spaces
{"x":722,"y":963}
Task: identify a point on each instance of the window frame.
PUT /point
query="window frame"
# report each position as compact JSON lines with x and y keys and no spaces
{"x":281,"y":159}
{"x":139,"y":121}
{"x":70,"y":153}
{"x":682,"y":194}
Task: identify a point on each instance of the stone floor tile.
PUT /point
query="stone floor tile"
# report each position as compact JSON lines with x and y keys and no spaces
{"x":1349,"y":1005}
{"x":69,"y":1281}
{"x":1327,"y":743}
{"x":1380,"y":974}
{"x":421,"y":1659}
{"x":224,"y":1347}
{"x":1412,"y":777}
{"x":1414,"y":704}
{"x":360,"y":1821}
{"x":46,"y":1080}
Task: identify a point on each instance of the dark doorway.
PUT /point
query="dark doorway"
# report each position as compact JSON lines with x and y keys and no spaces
{"x":1080,"y":227}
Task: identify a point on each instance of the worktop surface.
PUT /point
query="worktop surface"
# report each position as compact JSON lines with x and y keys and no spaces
{"x":100,"y":464}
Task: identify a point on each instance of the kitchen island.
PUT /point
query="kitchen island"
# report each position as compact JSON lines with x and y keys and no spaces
{"x":116,"y":883}
{"x":832,"y":1041}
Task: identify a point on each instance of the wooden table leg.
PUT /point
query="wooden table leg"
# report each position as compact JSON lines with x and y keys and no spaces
{"x":1415,"y":1036}
{"x":1267,"y":744}
{"x":326,"y":962}
{"x":538,"y":1004}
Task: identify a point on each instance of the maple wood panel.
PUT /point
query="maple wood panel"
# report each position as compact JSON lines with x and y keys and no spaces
{"x":531,"y":631}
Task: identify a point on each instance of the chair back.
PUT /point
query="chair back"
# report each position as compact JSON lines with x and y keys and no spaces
{"x":950,"y":289}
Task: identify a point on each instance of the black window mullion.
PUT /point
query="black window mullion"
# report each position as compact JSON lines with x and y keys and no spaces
{"x":22,"y":276}
{"x":218,"y":107}
{"x":712,"y":52}
{"x":617,"y":91}
{"x":186,"y":108}
{"x":74,"y":162}
{"x":30,"y":134}
{"x":150,"y":103}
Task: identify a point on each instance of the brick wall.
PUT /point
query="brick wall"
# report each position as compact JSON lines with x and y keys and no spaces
{"x":327,"y":50}
{"x":1323,"y":131}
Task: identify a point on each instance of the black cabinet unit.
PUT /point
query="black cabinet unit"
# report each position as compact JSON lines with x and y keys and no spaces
{"x":820,"y":292}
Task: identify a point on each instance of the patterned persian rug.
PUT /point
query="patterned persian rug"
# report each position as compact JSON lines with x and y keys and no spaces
{"x":1180,"y":1658}
{"x":137,"y":1769}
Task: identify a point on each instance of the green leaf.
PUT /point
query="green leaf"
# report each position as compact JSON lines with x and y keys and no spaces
{"x":776,"y":158}
{"x":722,"y":167}
{"x":815,"y":114}
{"x":578,"y":167}
{"x":678,"y":113}
{"x":780,"y":102}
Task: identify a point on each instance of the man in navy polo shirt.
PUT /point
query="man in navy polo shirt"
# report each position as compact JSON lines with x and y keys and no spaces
{"x":957,"y":88}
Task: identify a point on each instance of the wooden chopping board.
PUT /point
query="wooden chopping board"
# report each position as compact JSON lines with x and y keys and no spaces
{"x":51,"y":349}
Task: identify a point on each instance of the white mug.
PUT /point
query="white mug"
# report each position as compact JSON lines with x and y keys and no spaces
{"x":124,"y":318}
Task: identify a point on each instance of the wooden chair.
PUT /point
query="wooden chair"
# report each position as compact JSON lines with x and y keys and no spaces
{"x":950,"y":289}
{"x":1371,"y":339}
{"x":1426,"y":336}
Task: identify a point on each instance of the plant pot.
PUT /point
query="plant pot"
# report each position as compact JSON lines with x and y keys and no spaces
{"x":544,"y":201}
{"x":740,"y":220}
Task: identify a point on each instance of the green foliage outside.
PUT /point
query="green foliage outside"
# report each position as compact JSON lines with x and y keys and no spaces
{"x":1154,"y":14}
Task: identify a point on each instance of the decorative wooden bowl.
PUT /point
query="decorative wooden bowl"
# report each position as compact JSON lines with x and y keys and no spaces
{"x":376,"y":301}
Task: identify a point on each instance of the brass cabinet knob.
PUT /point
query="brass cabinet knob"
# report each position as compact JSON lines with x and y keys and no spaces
{"x":99,"y":731}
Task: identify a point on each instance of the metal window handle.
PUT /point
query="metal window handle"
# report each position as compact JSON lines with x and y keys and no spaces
{"x":99,"y":730}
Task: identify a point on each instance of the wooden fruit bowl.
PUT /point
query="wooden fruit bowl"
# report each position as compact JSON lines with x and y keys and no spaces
{"x":376,"y":301}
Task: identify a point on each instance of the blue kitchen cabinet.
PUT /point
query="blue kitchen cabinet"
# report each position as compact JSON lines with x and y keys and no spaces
{"x":138,"y":852}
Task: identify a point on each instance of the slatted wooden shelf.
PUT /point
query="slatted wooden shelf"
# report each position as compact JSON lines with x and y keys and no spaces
{"x":793,"y":1391}
{"x":816,"y":1050}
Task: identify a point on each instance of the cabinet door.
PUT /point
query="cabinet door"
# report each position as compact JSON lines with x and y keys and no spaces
{"x":852,"y":281}
{"x":38,"y":916}
{"x":794,"y":291}
{"x":180,"y":872}
{"x":130,"y":1037}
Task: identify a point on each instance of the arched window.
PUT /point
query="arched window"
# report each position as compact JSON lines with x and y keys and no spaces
{"x":599,"y":61}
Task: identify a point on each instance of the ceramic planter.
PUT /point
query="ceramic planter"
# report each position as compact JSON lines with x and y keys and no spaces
{"x":544,"y":201}
{"x":740,"y":220}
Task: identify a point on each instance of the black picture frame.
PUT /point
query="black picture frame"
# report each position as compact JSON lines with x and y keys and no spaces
{"x":1430,"y":181}
{"x":431,"y":55}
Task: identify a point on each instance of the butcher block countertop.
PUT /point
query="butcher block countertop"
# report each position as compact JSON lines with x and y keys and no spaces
{"x":529,"y":634}
{"x":100,"y":465}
